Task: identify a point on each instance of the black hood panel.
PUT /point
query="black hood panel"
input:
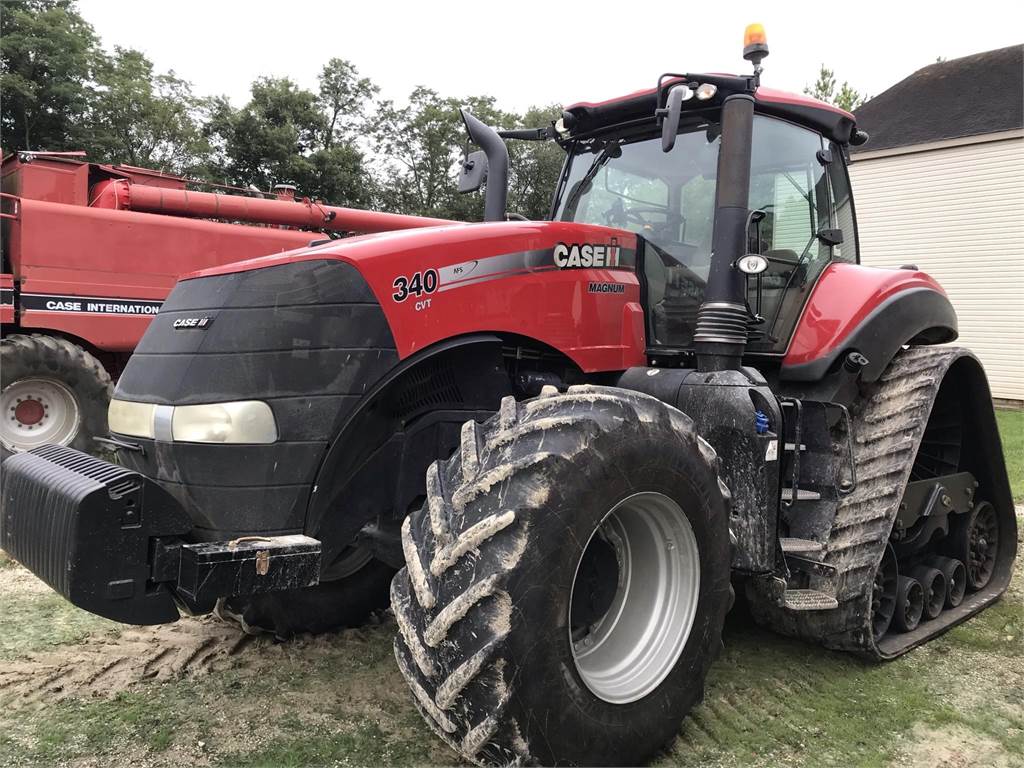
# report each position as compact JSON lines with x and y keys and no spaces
{"x":308,"y":337}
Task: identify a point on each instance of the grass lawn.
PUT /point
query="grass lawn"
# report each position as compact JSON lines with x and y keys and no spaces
{"x":79,"y":690}
{"x":195,"y":694}
{"x":1011,"y":429}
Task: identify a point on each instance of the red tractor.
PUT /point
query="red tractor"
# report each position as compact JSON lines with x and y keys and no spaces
{"x":575,"y":440}
{"x":89,"y":252}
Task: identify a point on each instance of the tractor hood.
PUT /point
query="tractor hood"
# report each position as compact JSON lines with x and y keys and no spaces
{"x":535,"y":279}
{"x":309,"y":333}
{"x":465,"y":241}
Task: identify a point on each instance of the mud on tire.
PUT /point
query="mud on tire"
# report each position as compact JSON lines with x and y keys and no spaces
{"x":76,"y":372}
{"x":483,"y":605}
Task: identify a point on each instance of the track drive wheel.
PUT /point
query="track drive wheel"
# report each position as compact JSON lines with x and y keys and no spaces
{"x":51,"y":392}
{"x":566,"y":581}
{"x":976,"y":543}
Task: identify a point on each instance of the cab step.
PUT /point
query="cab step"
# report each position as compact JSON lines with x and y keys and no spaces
{"x":801,"y":495}
{"x":808,"y":600}
{"x":800,"y":547}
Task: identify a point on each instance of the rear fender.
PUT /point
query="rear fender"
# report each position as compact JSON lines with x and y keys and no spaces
{"x":867,"y":310}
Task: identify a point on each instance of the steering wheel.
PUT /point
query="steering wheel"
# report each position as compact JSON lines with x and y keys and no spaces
{"x":634,"y":214}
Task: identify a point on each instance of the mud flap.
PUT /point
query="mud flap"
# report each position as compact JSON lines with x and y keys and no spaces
{"x":84,"y":527}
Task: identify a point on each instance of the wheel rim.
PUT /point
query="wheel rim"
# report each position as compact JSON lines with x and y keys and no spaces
{"x":984,"y":542}
{"x":37,"y":412}
{"x":632,"y":646}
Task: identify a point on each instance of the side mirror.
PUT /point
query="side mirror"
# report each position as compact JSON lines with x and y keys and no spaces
{"x":473,"y":173}
{"x":669,"y":116}
{"x":831,"y":237}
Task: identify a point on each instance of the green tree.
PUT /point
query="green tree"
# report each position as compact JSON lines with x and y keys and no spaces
{"x":535,"y":166}
{"x":143,"y":119}
{"x":265,"y":141}
{"x":825,"y":89}
{"x":284,"y":135}
{"x":344,"y":97}
{"x":47,"y":52}
{"x":419,"y":147}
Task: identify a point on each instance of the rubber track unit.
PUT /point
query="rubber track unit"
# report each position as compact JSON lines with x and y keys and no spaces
{"x":889,"y":422}
{"x":453,"y":603}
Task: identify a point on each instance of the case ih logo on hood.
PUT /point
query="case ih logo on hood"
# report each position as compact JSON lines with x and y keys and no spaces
{"x":586,"y":255}
{"x":197,"y":323}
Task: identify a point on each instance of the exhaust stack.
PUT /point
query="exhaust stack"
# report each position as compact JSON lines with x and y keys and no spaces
{"x":721,"y":334}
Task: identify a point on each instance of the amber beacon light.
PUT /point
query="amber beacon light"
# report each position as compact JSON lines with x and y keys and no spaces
{"x":755,"y":44}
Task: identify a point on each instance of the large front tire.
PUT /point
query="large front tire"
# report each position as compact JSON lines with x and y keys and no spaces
{"x":531,"y":538}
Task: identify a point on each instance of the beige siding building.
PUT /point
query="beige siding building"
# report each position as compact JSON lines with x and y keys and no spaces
{"x":941,"y":185}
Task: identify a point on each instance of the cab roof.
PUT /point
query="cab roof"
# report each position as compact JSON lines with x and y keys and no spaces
{"x":834,"y":123}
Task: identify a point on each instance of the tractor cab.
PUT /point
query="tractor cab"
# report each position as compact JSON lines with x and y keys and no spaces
{"x":698,"y":164}
{"x":619,"y":176}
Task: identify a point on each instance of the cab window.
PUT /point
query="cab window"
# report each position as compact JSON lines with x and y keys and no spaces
{"x":788,"y":182}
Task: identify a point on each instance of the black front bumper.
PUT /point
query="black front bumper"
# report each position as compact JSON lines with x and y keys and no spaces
{"x":117,"y":544}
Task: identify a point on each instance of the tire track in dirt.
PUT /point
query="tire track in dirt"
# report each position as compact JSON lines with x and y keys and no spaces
{"x":103,"y":665}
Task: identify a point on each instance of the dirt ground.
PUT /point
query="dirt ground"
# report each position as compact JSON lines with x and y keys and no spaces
{"x":80,"y":691}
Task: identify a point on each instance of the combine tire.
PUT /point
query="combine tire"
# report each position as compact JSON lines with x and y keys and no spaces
{"x":51,"y":391}
{"x":566,"y":581}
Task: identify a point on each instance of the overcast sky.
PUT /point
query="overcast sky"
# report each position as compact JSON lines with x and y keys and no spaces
{"x":527,"y":52}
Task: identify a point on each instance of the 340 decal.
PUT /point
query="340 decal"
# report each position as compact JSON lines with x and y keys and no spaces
{"x":418,"y":284}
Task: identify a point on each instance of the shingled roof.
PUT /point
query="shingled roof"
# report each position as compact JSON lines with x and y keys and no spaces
{"x":983,"y":93}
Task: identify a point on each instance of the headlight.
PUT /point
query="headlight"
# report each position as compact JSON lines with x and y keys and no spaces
{"x":129,"y":418}
{"x":247,"y":421}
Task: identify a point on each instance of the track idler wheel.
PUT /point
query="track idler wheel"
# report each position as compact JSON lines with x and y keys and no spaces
{"x":933,"y":585}
{"x":956,"y":578}
{"x":883,"y":594}
{"x":982,"y":545}
{"x":909,"y":604}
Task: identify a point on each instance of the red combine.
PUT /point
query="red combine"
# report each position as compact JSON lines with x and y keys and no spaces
{"x":90,"y":251}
